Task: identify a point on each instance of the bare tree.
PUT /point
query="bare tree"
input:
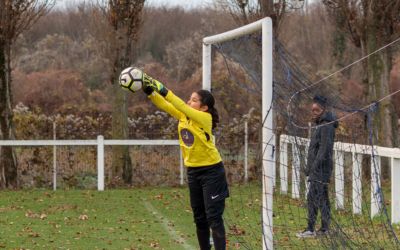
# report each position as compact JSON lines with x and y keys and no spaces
{"x":246,"y":11}
{"x":370,"y":25}
{"x":15,"y":17}
{"x":125,"y":19}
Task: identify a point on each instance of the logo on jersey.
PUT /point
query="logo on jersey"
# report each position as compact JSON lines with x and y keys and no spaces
{"x":187,"y":137}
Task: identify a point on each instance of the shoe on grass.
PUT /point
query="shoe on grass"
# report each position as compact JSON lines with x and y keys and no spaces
{"x":306,"y":234}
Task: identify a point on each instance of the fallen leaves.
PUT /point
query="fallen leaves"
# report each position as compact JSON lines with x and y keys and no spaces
{"x":83,"y":217}
{"x":155,"y":245}
{"x":30,"y":214}
{"x":159,"y":197}
{"x":60,"y":218}
{"x":30,"y":232}
{"x":236,"y":230}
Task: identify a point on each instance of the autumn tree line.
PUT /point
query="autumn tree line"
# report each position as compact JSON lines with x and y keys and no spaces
{"x":61,"y":65}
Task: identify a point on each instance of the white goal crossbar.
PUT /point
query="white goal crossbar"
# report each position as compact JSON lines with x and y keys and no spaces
{"x":99,"y":143}
{"x":265,"y":26}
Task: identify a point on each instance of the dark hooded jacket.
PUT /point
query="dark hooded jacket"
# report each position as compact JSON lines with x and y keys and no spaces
{"x":320,"y":151}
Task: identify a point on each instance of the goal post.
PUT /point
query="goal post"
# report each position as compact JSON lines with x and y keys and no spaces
{"x":265,"y":26}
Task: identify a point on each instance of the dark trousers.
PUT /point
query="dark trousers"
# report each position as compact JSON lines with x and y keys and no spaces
{"x":318,"y":199}
{"x":208,"y":189}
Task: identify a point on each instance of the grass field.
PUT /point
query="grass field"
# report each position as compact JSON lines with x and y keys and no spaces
{"x":145,"y":218}
{"x":114,"y":219}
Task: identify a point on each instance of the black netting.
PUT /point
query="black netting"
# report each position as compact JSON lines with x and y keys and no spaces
{"x":359,"y":218}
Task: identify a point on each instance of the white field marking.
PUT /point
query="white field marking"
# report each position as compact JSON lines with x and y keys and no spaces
{"x":165,"y":222}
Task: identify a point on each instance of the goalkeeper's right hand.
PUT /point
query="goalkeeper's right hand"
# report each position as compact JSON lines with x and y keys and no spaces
{"x":150,"y":84}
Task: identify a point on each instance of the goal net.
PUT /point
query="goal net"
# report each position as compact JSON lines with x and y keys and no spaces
{"x":270,"y":97}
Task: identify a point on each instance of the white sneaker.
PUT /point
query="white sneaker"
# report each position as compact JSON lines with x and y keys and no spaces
{"x":306,"y":234}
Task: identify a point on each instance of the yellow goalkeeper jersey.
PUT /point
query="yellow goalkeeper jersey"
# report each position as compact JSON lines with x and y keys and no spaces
{"x":195,"y":130}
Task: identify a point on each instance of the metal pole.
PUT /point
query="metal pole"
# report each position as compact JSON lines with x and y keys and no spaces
{"x":357,"y":188}
{"x":339,"y":179}
{"x":376,"y":192}
{"x":54,"y":158}
{"x":395,"y":190}
{"x":206,"y":66}
{"x":100,"y":163}
{"x":283,"y":166}
{"x":268,"y":134}
{"x":295,"y":171}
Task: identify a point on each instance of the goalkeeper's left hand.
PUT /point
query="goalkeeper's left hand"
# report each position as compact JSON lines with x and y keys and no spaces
{"x":150,"y":84}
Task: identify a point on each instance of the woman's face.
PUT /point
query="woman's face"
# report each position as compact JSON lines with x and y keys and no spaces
{"x":195,"y":102}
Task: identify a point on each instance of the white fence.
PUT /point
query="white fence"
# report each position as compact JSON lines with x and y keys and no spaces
{"x":357,"y":151}
{"x":100,"y":143}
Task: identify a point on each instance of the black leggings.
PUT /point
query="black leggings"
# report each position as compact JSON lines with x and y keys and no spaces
{"x":208,"y":189}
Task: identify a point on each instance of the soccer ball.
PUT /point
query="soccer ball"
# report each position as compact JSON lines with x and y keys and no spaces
{"x":131,"y":78}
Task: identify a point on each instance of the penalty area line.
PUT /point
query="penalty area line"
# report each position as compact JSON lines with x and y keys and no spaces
{"x":166,"y":225}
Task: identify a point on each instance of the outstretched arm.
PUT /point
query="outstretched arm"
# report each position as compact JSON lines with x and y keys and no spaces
{"x":151,"y":85}
{"x":200,"y":117}
{"x":173,"y":105}
{"x":162,"y":104}
{"x":153,"y":90}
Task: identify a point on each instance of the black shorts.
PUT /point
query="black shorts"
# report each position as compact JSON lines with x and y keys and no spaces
{"x":208,"y":189}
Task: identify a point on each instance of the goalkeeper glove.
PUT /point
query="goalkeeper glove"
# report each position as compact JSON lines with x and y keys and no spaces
{"x":150,"y":84}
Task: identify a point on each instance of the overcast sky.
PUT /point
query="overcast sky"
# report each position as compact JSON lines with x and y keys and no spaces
{"x":171,"y":3}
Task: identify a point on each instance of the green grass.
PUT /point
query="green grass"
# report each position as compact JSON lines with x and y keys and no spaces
{"x":114,"y":219}
{"x":156,"y":218}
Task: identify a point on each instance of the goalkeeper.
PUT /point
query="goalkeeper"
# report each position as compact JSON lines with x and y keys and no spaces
{"x":208,"y":187}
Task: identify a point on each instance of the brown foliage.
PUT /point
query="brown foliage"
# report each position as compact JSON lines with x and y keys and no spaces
{"x":60,"y":59}
{"x":310,"y":38}
{"x":50,"y":91}
{"x":166,"y":27}
{"x":184,"y":57}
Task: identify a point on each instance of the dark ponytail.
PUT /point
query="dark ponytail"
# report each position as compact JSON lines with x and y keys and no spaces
{"x":208,"y":99}
{"x":215,"y":117}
